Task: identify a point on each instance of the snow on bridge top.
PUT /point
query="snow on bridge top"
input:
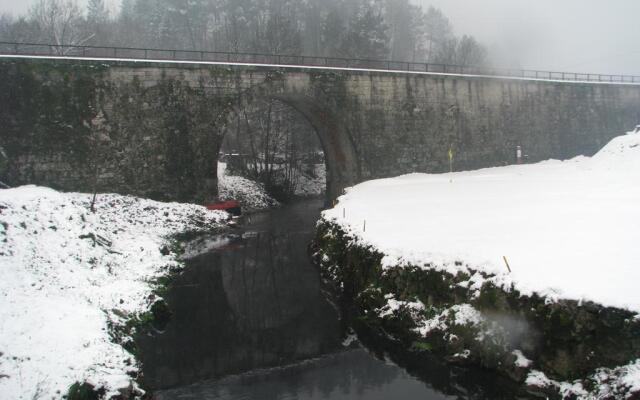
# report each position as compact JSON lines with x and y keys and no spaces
{"x":130,"y":54}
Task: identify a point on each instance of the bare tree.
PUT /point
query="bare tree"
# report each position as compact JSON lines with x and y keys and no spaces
{"x":273,"y":142}
{"x":98,"y":22}
{"x":59,"y":22}
{"x":18,"y":30}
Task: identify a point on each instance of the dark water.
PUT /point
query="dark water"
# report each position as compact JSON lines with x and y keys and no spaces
{"x":348,"y":375}
{"x":251,"y":300}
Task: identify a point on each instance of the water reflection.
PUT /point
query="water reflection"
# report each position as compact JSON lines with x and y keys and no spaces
{"x":251,"y":300}
{"x":349,"y":375}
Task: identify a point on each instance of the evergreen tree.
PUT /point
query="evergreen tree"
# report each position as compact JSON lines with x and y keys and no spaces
{"x":371,"y":29}
{"x":366,"y":34}
{"x":470,"y":52}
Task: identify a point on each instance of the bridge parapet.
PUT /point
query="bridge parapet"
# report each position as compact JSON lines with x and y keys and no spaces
{"x":229,"y":58}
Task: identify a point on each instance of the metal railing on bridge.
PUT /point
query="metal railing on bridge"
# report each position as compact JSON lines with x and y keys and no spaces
{"x":133,"y":53}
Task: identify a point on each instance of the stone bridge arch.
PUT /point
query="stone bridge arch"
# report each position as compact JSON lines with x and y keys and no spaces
{"x":340,"y":152}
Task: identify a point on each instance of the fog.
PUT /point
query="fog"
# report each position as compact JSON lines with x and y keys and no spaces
{"x":568,"y":35}
{"x":20,"y":7}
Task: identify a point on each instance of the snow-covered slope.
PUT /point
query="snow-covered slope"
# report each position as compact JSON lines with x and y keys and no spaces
{"x":569,"y":229}
{"x":58,"y":290}
{"x":312,"y":185}
{"x":251,"y":195}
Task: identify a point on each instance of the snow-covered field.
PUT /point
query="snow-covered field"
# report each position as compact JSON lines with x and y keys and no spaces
{"x":59,"y":288}
{"x":568,"y":229}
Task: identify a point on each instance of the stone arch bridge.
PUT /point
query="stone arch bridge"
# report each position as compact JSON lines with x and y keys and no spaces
{"x":154,"y":129}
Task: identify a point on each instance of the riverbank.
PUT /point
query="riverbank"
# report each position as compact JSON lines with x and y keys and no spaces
{"x":252,"y":195}
{"x":527,"y":270}
{"x":73,"y":281}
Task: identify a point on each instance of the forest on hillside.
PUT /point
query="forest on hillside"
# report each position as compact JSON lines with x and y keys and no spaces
{"x":375,"y":29}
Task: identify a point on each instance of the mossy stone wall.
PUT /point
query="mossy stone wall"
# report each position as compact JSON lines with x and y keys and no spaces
{"x":155,"y":130}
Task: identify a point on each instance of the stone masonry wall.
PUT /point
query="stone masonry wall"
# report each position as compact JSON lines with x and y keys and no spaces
{"x":154,"y":130}
{"x":407,"y":123}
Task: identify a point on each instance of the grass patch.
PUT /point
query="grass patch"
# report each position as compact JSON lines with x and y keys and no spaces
{"x":421,"y":346}
{"x":84,"y":391}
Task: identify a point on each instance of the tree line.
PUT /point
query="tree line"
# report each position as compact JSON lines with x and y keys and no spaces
{"x":372,"y":29}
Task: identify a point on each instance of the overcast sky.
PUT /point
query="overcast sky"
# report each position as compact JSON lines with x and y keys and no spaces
{"x":567,"y":35}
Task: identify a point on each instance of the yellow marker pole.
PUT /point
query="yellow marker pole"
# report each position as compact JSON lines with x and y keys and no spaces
{"x":507,"y":262}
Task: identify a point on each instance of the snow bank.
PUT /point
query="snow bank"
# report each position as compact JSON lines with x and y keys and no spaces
{"x":312,"y":184}
{"x":568,"y":229}
{"x":459,"y":314}
{"x":251,"y":195}
{"x":618,"y":383}
{"x":67,"y":272}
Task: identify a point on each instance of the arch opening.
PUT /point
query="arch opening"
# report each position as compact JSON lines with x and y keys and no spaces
{"x":271,"y":143}
{"x":289,"y":143}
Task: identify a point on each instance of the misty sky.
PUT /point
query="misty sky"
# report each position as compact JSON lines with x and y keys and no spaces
{"x":566,"y":35}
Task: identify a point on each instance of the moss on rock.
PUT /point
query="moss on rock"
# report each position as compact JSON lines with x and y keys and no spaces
{"x":84,"y":391}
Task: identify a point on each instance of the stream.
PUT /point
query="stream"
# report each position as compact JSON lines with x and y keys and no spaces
{"x":251,"y":321}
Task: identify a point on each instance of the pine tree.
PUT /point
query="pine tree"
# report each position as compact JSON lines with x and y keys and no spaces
{"x":367,"y":36}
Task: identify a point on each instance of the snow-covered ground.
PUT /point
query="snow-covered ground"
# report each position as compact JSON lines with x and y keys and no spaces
{"x":251,"y":195}
{"x":254,"y":197}
{"x":59,"y":288}
{"x":568,"y":229}
{"x":606,"y":383}
{"x":312,"y":185}
{"x":617,"y":383}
